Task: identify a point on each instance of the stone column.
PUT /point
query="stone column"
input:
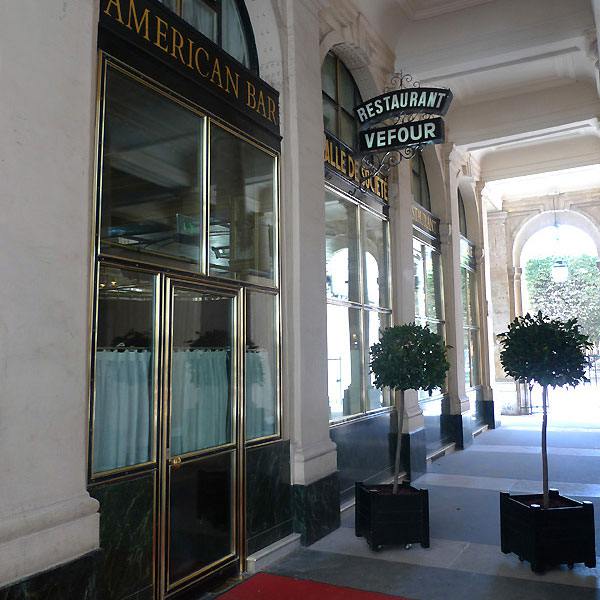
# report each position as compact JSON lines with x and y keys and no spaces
{"x":403,"y":301}
{"x":47,"y":115}
{"x":486,"y":331}
{"x":458,"y":421}
{"x":503,"y":305}
{"x":313,"y":454}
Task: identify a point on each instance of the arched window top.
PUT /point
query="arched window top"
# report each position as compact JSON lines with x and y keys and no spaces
{"x":462,"y":216}
{"x":340,"y":96}
{"x":419,"y":183}
{"x":225,"y":22}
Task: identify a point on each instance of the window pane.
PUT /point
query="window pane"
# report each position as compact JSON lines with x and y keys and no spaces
{"x":347,"y":87}
{"x":123,"y":376}
{"x":433,"y":284}
{"x":201,"y":386}
{"x":348,"y":133}
{"x":151,"y":175}
{"x":261,"y":365}
{"x":375,"y":323}
{"x":341,"y":249}
{"x":474,"y":344}
{"x":201,"y":17}
{"x":419,"y":267}
{"x":242,"y":237}
{"x":344,"y":343}
{"x":467,"y":354}
{"x":328,"y":76}
{"x":172,"y":4}
{"x":232,"y":32}
{"x":466,"y":296}
{"x":375,"y":248}
{"x":329,"y":116}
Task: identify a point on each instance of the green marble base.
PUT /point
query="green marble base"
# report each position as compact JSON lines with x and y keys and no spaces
{"x":73,"y":580}
{"x":269,"y":494}
{"x":316,"y":508}
{"x":126,"y":540}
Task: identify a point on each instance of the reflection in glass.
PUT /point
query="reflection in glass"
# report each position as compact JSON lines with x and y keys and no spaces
{"x":123,"y":375}
{"x":151,"y":174}
{"x":201,"y":391}
{"x":329,"y":116}
{"x":201,"y":497}
{"x":344,"y":343}
{"x":261,"y":365}
{"x":242,"y":236}
{"x":348,"y":130}
{"x":201,"y":16}
{"x":375,"y":323}
{"x":329,"y":77}
{"x":375,"y":247}
{"x":341,"y":249}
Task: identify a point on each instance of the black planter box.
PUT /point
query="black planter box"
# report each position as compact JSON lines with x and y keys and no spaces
{"x":546,"y":537}
{"x":384,"y":518}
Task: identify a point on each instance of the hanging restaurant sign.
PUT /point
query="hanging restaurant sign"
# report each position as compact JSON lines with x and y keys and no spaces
{"x":403,"y":133}
{"x":148,"y":25}
{"x":394,"y":137}
{"x":423,"y":101}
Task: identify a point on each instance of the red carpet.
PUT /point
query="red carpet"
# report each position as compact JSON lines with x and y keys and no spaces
{"x":274,"y":587}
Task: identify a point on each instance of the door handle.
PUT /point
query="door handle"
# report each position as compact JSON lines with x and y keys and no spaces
{"x":176,"y":463}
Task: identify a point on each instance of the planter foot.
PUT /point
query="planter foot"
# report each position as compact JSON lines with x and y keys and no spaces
{"x":591,"y":564}
{"x":537,"y":568}
{"x":570,"y":565}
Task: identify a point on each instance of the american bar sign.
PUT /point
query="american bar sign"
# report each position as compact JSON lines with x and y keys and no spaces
{"x":151,"y":27}
{"x":397,"y":103}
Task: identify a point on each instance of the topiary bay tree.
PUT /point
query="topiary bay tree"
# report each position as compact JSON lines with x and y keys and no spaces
{"x":408,"y":357}
{"x":550,"y":352}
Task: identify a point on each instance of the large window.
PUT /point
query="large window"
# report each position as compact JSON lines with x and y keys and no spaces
{"x":470,"y":314}
{"x":429,"y":310}
{"x":163,"y":214}
{"x":340,"y":96}
{"x":419,"y":183}
{"x":357,"y":281}
{"x":225,"y":22}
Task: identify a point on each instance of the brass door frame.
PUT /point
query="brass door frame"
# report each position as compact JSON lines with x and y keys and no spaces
{"x":165,"y":588}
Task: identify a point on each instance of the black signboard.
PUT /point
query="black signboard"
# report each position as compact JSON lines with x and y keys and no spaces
{"x":425,"y":101}
{"x":414,"y":133}
{"x":153,"y":28}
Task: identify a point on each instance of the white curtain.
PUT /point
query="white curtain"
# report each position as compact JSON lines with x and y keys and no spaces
{"x":122,"y":408}
{"x":201,"y":405}
{"x":261,"y":401}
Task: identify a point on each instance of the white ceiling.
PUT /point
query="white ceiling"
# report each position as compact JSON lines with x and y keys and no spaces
{"x":522,"y":72}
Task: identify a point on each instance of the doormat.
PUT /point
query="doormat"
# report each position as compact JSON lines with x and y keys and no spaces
{"x":275,"y":587}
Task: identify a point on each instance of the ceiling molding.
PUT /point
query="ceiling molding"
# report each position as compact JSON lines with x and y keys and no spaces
{"x":417,"y":10}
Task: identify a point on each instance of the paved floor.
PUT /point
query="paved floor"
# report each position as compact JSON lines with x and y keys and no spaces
{"x":464,"y":560}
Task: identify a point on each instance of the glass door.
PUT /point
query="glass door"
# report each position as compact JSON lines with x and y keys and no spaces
{"x":201,"y":521}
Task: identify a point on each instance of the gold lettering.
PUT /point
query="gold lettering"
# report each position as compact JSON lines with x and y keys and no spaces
{"x":138,"y":23}
{"x":197,"y":62}
{"x":327,"y":153}
{"x":161,"y":34}
{"x":261,"y":104}
{"x":216,"y":70}
{"x":351,"y":167}
{"x":235,"y":83}
{"x":272,"y":107}
{"x":190,"y":53}
{"x":343,"y":162}
{"x":251,"y":95}
{"x":117,"y":5}
{"x":177,"y":42}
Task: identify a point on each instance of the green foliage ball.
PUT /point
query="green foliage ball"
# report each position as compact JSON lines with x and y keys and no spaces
{"x":548,"y":351}
{"x":409,"y":357}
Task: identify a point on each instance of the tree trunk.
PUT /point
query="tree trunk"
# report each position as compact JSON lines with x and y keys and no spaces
{"x":400,"y":413}
{"x":545,"y":447}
